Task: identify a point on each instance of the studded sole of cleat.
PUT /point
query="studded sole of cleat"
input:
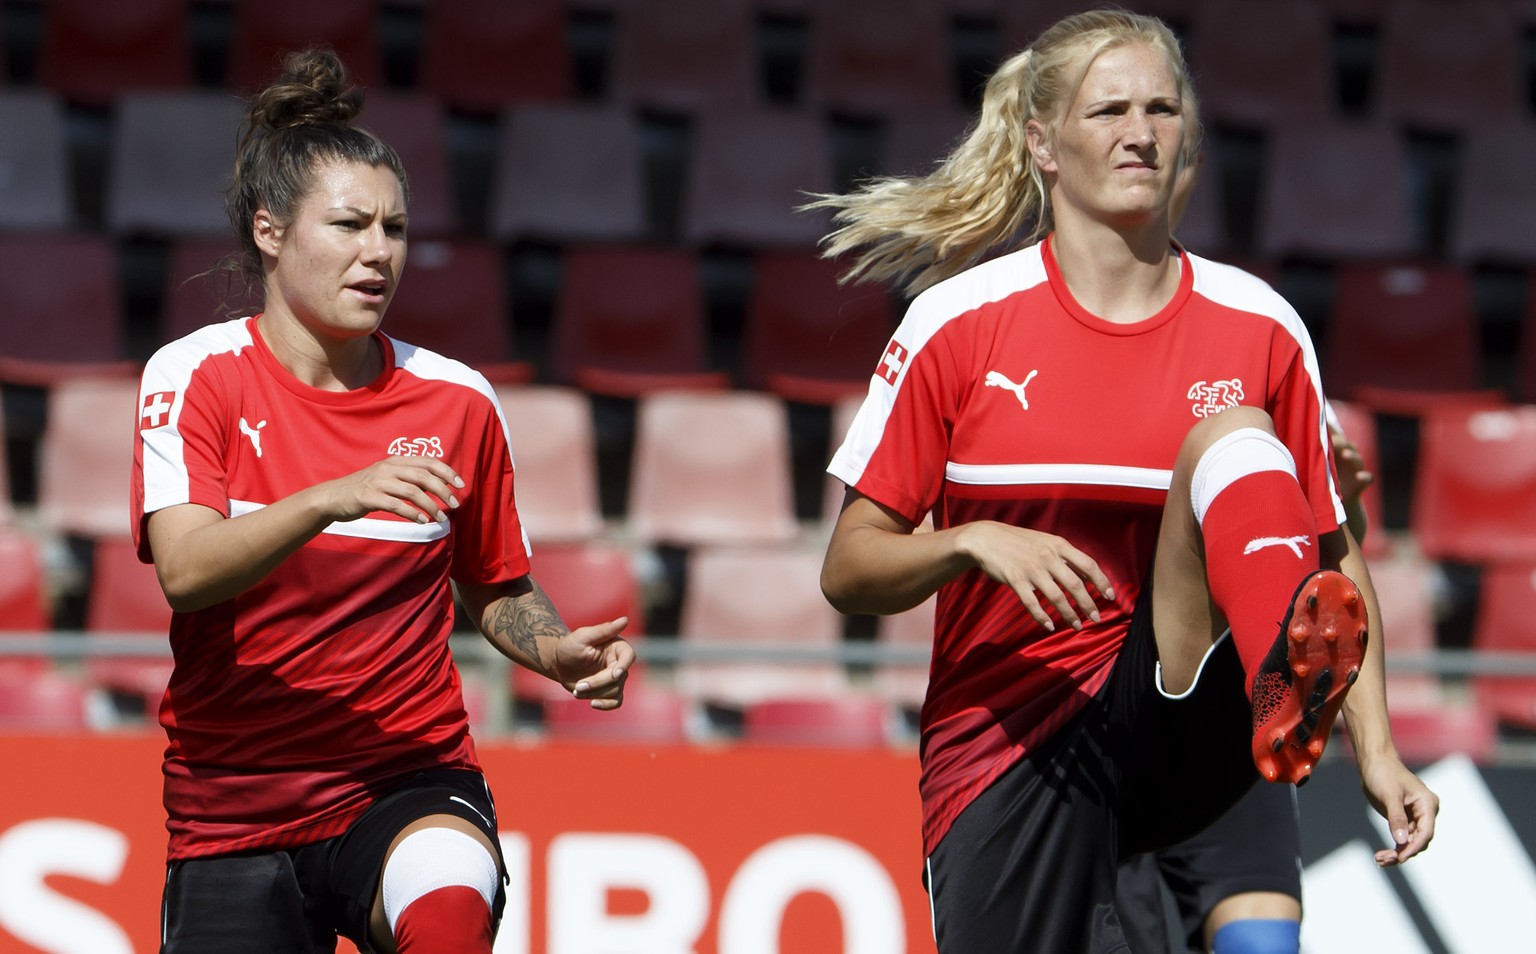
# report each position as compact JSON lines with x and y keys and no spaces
{"x":1301,"y":684}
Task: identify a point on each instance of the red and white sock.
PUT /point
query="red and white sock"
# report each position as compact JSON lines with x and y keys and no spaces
{"x":438,"y":887}
{"x":1260,"y":535}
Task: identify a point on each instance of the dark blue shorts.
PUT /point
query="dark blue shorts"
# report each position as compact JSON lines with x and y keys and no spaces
{"x":297,"y":900}
{"x":1031,"y":864}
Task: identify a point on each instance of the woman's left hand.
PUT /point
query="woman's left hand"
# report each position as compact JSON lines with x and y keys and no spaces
{"x":594,"y":662}
{"x":1405,"y":802}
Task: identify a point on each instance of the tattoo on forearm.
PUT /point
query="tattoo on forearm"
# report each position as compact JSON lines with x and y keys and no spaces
{"x":520,"y":621}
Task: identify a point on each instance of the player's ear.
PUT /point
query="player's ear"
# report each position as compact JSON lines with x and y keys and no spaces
{"x":267,"y":232}
{"x":1037,"y":140}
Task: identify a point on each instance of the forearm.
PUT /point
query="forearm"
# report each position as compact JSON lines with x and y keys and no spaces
{"x":873,"y":570}
{"x":522,"y":624}
{"x":1365,"y":708}
{"x":207,"y":559}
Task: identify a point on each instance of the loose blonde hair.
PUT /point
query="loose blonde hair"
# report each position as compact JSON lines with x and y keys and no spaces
{"x":918,"y":230}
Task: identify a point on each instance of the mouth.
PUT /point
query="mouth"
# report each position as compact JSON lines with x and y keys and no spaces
{"x":372,"y":291}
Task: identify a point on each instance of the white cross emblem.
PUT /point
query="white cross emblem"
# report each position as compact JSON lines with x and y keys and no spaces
{"x":891,"y":365}
{"x":157,"y":409}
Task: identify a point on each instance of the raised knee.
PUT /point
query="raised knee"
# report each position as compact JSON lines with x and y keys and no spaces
{"x":1258,"y":936}
{"x":1207,"y":431}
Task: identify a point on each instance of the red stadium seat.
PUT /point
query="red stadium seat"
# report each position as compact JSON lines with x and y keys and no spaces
{"x":1260,"y":64}
{"x":748,"y":596}
{"x":880,"y":57}
{"x":1336,"y":191}
{"x":87,"y":450}
{"x":171,"y":155}
{"x":555,"y":452}
{"x":808,"y":338}
{"x":23,"y":600}
{"x":199,"y":291}
{"x":62,"y":301}
{"x":1474,"y":494}
{"x":552,"y":183}
{"x":680,"y":55}
{"x":1403,"y":337}
{"x":267,"y":30}
{"x":35,"y":191}
{"x":1426,"y":733}
{"x":452,"y":299}
{"x":42,"y":702}
{"x":1359,"y":424}
{"x":92,"y":52}
{"x":748,"y":171}
{"x":650,"y":715}
{"x":852,"y":721}
{"x":1492,"y":214}
{"x":415,"y":125}
{"x":1405,"y":591}
{"x":631,"y":320}
{"x":125,"y":598}
{"x":480,"y":55}
{"x":1506,"y":623}
{"x":1445,"y":66}
{"x":590,"y":582}
{"x":906,"y":685}
{"x":711,"y":469}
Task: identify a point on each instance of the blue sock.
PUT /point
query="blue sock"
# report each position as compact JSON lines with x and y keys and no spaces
{"x":1258,"y":936}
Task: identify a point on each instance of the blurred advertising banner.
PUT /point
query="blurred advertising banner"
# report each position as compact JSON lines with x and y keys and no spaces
{"x":732,"y":850}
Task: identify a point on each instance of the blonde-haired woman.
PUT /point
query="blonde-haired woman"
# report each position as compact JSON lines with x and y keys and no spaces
{"x":1091,"y":419}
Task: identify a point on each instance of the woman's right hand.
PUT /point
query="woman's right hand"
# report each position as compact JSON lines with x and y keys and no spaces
{"x":416,"y":488}
{"x":1040,"y":567}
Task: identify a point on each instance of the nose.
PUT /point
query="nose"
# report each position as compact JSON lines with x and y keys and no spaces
{"x":376,"y":246}
{"x":1138,"y":130}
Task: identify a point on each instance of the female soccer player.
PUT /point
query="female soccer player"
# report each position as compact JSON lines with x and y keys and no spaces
{"x":309,"y":490}
{"x":1094,"y":419}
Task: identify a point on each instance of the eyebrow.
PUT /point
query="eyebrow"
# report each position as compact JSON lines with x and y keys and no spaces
{"x":364,"y":213}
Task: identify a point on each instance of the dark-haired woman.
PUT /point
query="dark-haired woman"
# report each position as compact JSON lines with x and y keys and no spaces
{"x":309,"y":490}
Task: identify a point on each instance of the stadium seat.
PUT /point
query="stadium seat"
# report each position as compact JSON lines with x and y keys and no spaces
{"x":92,"y":52}
{"x":680,"y":55}
{"x":42,"y":702}
{"x":61,"y":299}
{"x":1336,"y":191}
{"x":552,"y":183}
{"x":748,"y":171}
{"x":1403,"y":336}
{"x":198,"y":291}
{"x":415,"y":125}
{"x":480,"y":55}
{"x":555,"y":452}
{"x":86,"y":455}
{"x":808,"y":338}
{"x":1495,"y":201}
{"x":711,"y":469}
{"x":1474,"y":496}
{"x":740,"y":597}
{"x":879,"y":58}
{"x":1405,"y":591}
{"x":1446,"y":66}
{"x":125,"y":599}
{"x":23,"y":598}
{"x":171,"y":155}
{"x":849,"y":721}
{"x":905,"y":685}
{"x":630,"y":320}
{"x":1427,"y":733}
{"x":1260,"y":65}
{"x":650,"y":715}
{"x":264,"y":31}
{"x":1359,"y":424}
{"x":35,"y":191}
{"x":452,"y":299}
{"x":1506,"y":623}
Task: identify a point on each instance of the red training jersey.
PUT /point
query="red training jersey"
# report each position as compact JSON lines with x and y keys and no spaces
{"x":293,"y":704}
{"x":1001,"y":398}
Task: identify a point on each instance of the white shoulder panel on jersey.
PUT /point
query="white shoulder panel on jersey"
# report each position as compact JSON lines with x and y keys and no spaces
{"x":169,"y":371}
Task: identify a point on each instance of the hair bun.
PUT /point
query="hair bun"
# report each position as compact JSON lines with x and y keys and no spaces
{"x":313,"y":89}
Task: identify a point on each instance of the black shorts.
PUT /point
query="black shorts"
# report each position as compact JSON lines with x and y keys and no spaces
{"x":1030,"y":865}
{"x":297,"y":900}
{"x":1254,"y":847}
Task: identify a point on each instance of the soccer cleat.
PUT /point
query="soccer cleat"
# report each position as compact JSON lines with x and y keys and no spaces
{"x":1301,"y":683}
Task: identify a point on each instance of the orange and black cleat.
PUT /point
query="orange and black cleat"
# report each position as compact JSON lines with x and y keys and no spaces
{"x":1301,"y":684}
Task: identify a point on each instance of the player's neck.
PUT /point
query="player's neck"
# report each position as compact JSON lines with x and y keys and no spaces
{"x":1120,"y":277}
{"x":327,"y":364}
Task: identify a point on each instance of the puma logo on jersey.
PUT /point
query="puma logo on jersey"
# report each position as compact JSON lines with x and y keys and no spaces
{"x":1295,"y":543}
{"x":996,"y":379}
{"x":254,"y":433}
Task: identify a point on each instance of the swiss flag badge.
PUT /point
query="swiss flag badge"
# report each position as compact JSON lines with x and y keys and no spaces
{"x":895,"y":359}
{"x":156,"y":411}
